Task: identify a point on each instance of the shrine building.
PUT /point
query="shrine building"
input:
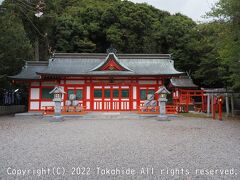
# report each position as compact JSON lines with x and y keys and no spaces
{"x":100,"y":82}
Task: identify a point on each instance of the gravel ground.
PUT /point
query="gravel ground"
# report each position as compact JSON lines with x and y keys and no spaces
{"x":79,"y":148}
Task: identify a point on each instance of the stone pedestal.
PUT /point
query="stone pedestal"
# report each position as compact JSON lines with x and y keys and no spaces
{"x":162,"y":92}
{"x":57,"y":111}
{"x":57,"y":108}
{"x":162,"y":110}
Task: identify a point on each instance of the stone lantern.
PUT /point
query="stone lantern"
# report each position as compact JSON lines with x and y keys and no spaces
{"x":57,"y":99}
{"x":162,"y":92}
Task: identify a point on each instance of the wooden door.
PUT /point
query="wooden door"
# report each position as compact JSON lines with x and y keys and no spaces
{"x":111,"y":98}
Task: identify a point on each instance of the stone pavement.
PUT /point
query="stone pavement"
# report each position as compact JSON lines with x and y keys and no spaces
{"x":109,"y":147}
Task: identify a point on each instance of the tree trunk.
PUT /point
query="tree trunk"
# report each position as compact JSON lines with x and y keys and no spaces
{"x":36,"y":47}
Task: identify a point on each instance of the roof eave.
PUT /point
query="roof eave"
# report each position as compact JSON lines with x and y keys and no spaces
{"x":49,"y":74}
{"x":20,"y":78}
{"x":185,"y":86}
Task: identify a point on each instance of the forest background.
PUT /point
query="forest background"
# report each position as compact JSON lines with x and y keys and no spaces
{"x":209,"y":52}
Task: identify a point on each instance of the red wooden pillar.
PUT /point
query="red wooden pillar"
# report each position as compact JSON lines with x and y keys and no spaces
{"x":187,"y":101}
{"x":29,"y":96}
{"x":214,"y":108}
{"x":220,"y":108}
{"x":203,"y":102}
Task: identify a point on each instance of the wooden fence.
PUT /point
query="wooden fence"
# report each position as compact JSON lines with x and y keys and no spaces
{"x":65,"y":110}
{"x":170,"y":109}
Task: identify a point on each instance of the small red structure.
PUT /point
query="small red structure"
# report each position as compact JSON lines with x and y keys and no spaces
{"x":215,"y":99}
{"x":185,"y":93}
{"x":217,"y":107}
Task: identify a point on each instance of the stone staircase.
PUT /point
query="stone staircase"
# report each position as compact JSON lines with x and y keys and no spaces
{"x":111,"y":115}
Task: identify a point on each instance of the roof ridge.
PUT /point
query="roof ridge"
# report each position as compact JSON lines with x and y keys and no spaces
{"x":121,"y":55}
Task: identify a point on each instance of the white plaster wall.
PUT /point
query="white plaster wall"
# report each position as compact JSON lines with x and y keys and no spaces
{"x":35,"y":93}
{"x":134,"y":92}
{"x":48,"y":103}
{"x":88,"y":92}
{"x":88,"y":105}
{"x":34,"y":105}
{"x":134,"y":105}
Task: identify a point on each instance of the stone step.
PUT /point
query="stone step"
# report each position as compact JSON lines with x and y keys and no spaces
{"x":110,"y":115}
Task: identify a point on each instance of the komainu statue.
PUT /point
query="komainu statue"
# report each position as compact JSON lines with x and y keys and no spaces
{"x":150,"y":104}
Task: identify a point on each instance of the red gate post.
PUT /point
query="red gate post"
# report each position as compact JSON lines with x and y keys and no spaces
{"x":203,"y":102}
{"x":214,"y":108}
{"x":220,"y":108}
{"x":187,"y":102}
{"x":202,"y":105}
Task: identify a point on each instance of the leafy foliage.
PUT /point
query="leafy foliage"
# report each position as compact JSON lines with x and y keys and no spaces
{"x":209,"y":52}
{"x":15,"y":47}
{"x":228,"y":14}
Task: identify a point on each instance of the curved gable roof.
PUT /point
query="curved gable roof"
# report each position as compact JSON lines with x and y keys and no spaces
{"x":111,"y":60}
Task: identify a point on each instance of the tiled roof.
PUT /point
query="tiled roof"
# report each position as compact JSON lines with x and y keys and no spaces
{"x":75,"y":64}
{"x":183,"y":81}
{"x":30,"y":69}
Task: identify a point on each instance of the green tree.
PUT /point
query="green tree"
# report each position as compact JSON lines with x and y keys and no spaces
{"x":94,"y":25}
{"x":205,"y":48}
{"x":15,"y":46}
{"x":228,"y":14}
{"x":176,"y":34}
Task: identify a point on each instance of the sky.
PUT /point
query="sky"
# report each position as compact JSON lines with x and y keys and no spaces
{"x":192,"y":8}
